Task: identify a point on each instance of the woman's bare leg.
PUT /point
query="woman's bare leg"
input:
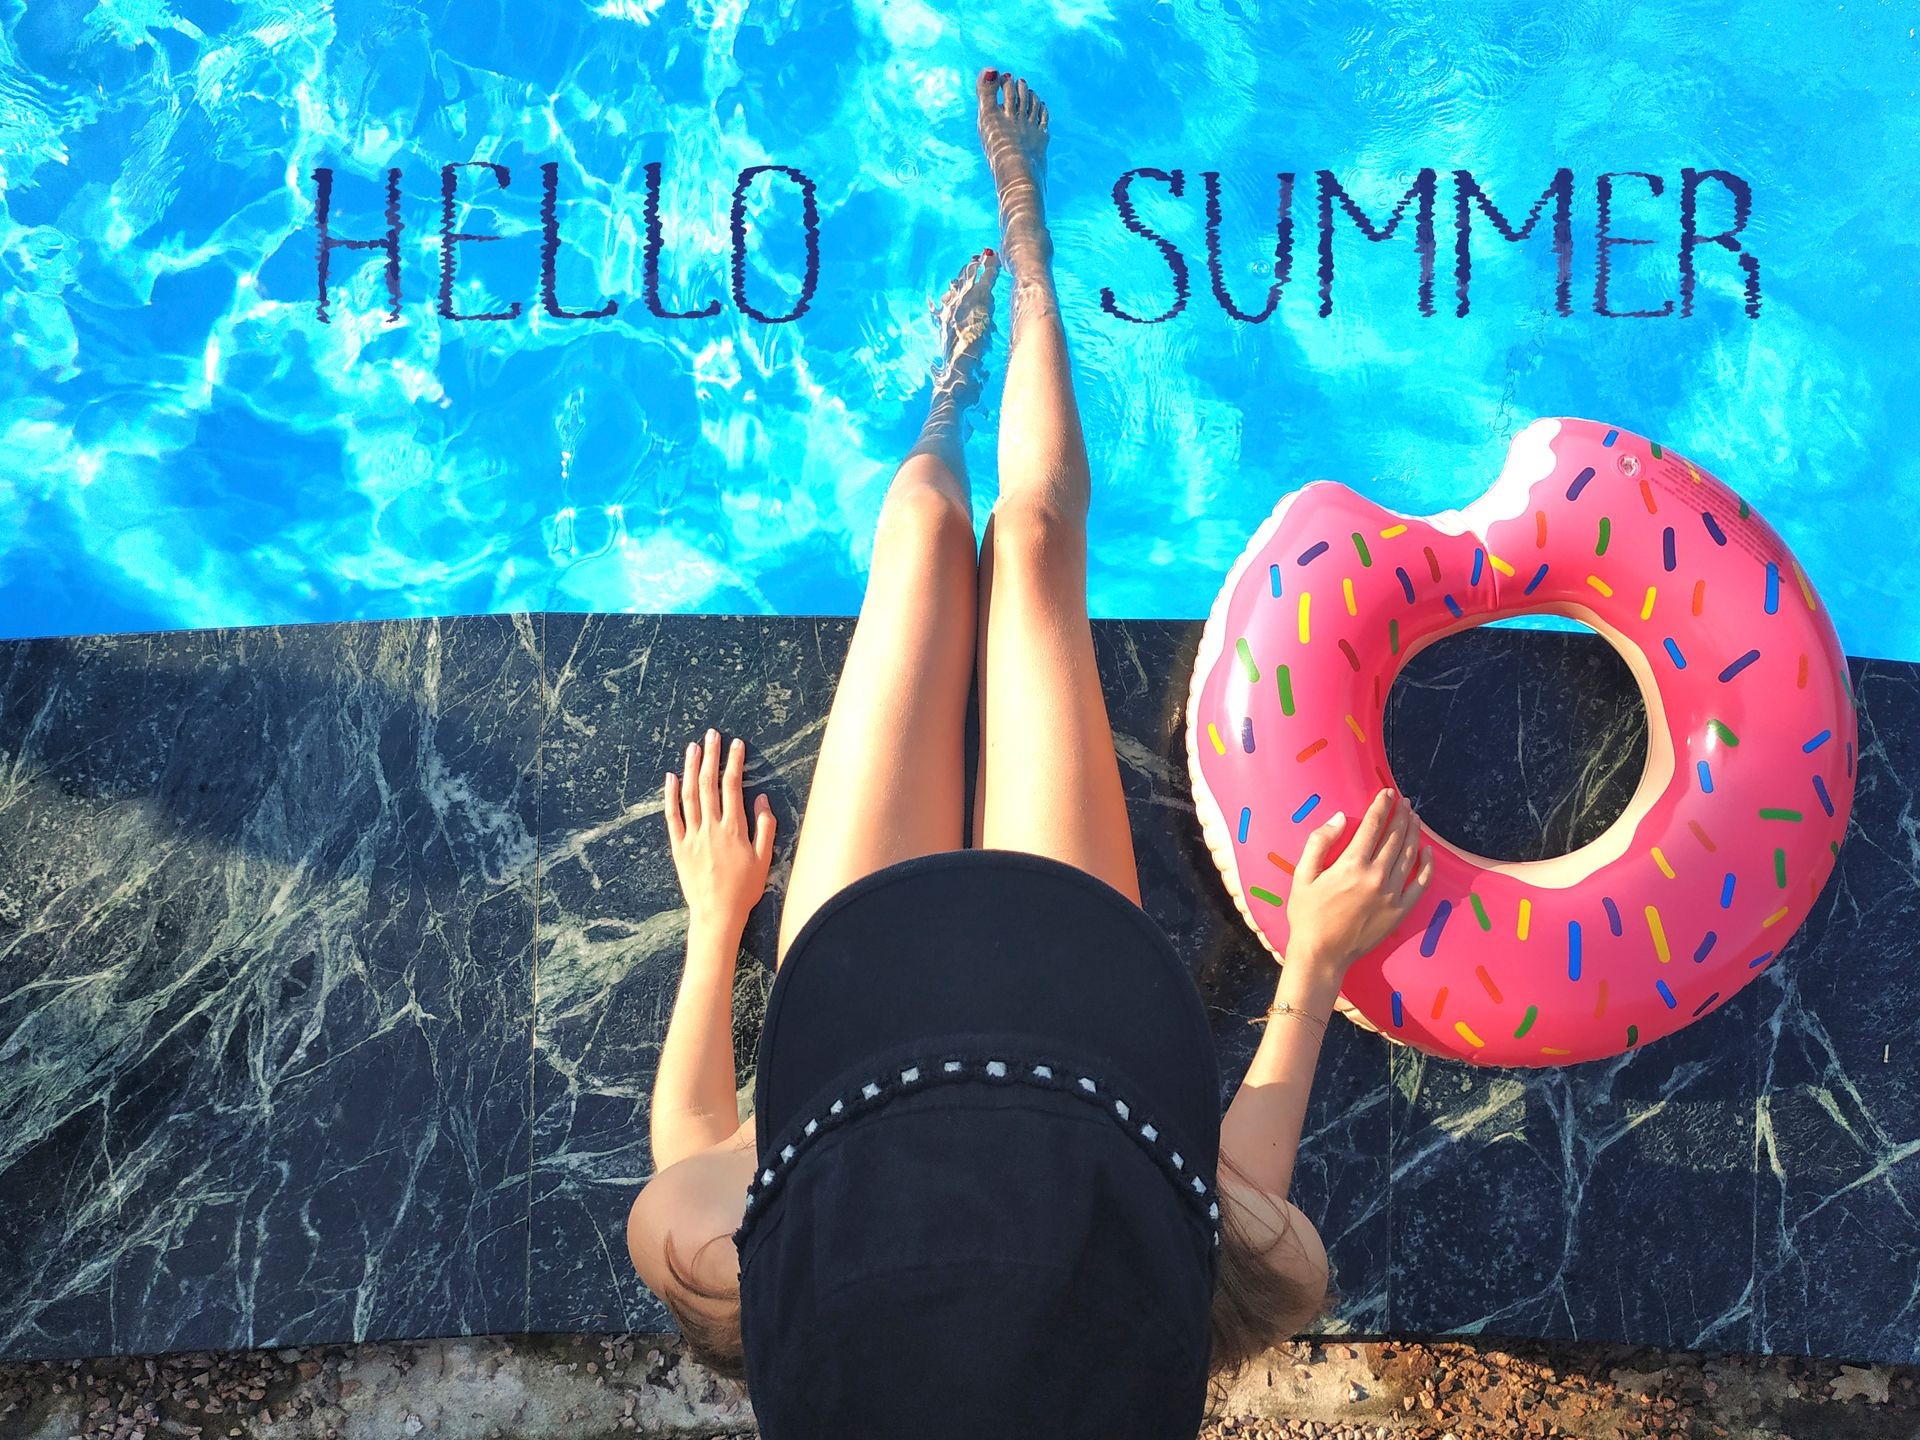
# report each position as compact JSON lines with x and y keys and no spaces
{"x":1048,"y":780}
{"x":890,"y":778}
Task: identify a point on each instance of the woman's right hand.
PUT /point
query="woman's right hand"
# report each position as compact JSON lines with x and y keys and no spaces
{"x":1339,"y":911}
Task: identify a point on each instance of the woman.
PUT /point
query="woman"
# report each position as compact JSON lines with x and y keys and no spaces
{"x":1059,"y":1246}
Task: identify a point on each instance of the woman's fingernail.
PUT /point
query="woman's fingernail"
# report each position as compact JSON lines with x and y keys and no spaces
{"x":1339,"y":817}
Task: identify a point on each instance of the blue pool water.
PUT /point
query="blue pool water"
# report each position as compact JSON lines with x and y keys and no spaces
{"x":186,"y":444}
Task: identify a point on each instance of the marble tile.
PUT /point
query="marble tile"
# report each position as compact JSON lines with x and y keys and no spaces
{"x":335,"y":962}
{"x":1606,"y":1201}
{"x":265,"y":969}
{"x":623,"y":694}
{"x":1838,"y":1157}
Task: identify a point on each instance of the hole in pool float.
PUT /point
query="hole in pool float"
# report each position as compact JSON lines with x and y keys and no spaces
{"x":1517,"y":744}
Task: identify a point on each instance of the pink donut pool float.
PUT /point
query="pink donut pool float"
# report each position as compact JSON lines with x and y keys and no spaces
{"x":1751,"y":737}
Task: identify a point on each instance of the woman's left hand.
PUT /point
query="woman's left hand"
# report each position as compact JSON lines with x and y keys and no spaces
{"x":722,"y":868}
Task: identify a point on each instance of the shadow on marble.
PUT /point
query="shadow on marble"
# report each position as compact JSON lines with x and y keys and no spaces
{"x":265,"y":968}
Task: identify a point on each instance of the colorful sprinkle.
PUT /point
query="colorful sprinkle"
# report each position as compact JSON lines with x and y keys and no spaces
{"x":1467,"y":1035}
{"x":1706,"y":778}
{"x":1213,"y":734}
{"x":1573,"y":951}
{"x":1393,"y":530}
{"x":1806,"y":590}
{"x":1246,"y":818}
{"x":1661,"y":861}
{"x":1540,"y":529}
{"x":1612,"y":435}
{"x":1360,"y":544}
{"x":1774,"y":813}
{"x":1701,"y":835}
{"x":1312,"y":553}
{"x":1724,"y":731}
{"x":1633,"y":1036}
{"x":1816,"y":742}
{"x":1435,"y":925}
{"x":1246,"y":733}
{"x":1646,"y":606}
{"x":1726,"y":892}
{"x":1613,"y":913}
{"x":1393,"y":636}
{"x":1399,"y":1015}
{"x":1673,"y":651}
{"x":1665,"y":994}
{"x":1760,"y":959}
{"x":1666,"y":547}
{"x":1305,"y":601}
{"x":1655,"y":448}
{"x":1273,"y":573}
{"x":1538,"y":576}
{"x":1406,"y":581}
{"x":1479,"y":911}
{"x":1527,"y":1024}
{"x":1526,"y":918}
{"x":1773,"y":588}
{"x":1600,"y":1004}
{"x":1820,"y":789}
{"x":1659,"y":933}
{"x":1579,"y":483}
{"x":1780,"y":867}
{"x":1346,"y":588}
{"x":1597,"y":583}
{"x":1705,"y":945}
{"x":1278,"y":859}
{"x":1849,"y":759}
{"x":1777,"y":915}
{"x":1358,"y":733}
{"x":1306,"y":808}
{"x":1713,"y":527}
{"x":1439,"y":1003}
{"x":1646,"y":494}
{"x":1285,"y":678}
{"x":1479,"y":563}
{"x":1433,"y":562}
{"x":1312,"y":750}
{"x":1737,"y":666}
{"x":1606,"y":527}
{"x":1801,"y":683}
{"x":1553,"y":1050}
{"x":1486,"y":983}
{"x":1353,"y":656}
{"x":1699,"y":595}
{"x":1704,"y":1004}
{"x":1454,"y":606}
{"x":1502,"y":566}
{"x":1266,"y":895}
{"x":1246,"y":659}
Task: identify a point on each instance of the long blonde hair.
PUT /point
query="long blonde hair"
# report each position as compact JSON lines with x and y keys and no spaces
{"x":1246,"y":1297}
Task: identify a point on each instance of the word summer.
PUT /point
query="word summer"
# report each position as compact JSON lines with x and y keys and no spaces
{"x":1330,"y":195}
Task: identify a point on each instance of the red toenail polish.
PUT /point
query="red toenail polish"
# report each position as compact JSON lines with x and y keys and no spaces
{"x":989,"y":250}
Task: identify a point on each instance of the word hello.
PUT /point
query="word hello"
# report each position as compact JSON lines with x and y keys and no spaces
{"x":1468,"y":195}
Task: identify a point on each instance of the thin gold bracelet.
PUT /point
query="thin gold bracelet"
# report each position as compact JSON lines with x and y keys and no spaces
{"x":1283,"y":1008}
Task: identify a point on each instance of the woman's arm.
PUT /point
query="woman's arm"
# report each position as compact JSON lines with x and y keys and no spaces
{"x":696,"y":1090}
{"x":723,"y":873}
{"x":1338,"y":910}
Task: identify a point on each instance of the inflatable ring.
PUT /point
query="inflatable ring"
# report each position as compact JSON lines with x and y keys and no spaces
{"x":1751,"y":733}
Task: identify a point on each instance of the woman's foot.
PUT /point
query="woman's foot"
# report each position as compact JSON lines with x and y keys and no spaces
{"x":965,"y":317}
{"x":1013,"y":132}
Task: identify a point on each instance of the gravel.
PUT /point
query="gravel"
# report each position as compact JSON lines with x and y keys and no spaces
{"x":588,"y":1387}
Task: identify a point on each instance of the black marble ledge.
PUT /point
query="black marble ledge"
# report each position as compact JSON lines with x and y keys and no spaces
{"x":335,"y":962}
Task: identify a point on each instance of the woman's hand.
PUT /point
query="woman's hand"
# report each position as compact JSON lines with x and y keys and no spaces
{"x":722,"y":869}
{"x":1337,"y":912}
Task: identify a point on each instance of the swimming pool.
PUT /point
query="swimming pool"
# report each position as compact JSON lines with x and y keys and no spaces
{"x":187,"y":444}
